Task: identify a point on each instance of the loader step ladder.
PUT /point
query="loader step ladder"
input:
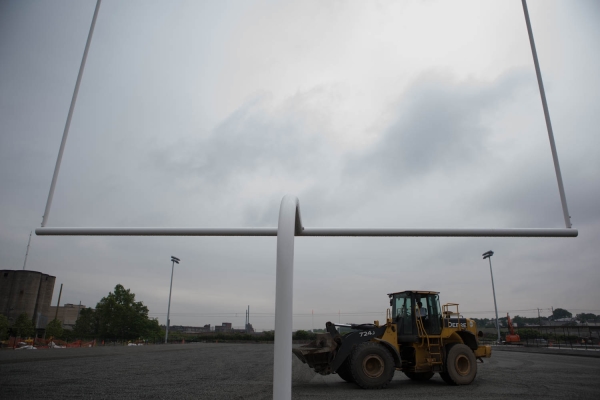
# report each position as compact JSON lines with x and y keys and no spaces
{"x":433,"y":343}
{"x":434,"y":346}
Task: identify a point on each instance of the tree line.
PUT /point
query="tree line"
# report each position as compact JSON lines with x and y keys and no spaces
{"x":117,"y":316}
{"x":557,"y":314}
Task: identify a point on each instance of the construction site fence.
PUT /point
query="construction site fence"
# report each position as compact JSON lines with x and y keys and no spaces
{"x":39,"y":343}
{"x":571,"y":337}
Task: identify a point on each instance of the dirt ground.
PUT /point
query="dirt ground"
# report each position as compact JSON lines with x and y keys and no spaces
{"x":245,"y":371}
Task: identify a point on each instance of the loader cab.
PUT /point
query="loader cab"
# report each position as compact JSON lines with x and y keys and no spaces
{"x":404,"y":314}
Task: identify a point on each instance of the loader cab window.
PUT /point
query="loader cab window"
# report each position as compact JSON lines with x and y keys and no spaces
{"x":432,"y":302}
{"x":402,"y":312}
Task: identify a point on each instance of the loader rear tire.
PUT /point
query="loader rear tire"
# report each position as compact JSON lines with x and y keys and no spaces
{"x":344,"y":371}
{"x":419,"y":376}
{"x":372,"y":366}
{"x":461,"y":365}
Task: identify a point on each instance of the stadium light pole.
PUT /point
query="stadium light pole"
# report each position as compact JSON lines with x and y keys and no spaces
{"x":488,"y":255}
{"x":174,"y":260}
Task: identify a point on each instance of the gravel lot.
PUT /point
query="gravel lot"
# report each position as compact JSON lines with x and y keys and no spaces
{"x":244,"y":371}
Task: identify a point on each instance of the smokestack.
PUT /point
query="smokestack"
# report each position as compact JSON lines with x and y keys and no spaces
{"x":58,"y":302}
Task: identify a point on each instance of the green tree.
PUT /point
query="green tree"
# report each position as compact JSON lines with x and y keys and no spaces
{"x":482,"y":322}
{"x":587,"y":317}
{"x":86,"y":326}
{"x":68,"y":335}
{"x":519,"y":321}
{"x":23,"y":326}
{"x":54,"y":329}
{"x":154,"y":331}
{"x":559,"y":313}
{"x":121,"y":317}
{"x":3,"y":327}
{"x":301,"y":335}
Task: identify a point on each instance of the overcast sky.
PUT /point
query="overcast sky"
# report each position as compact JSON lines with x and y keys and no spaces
{"x":374,"y":114}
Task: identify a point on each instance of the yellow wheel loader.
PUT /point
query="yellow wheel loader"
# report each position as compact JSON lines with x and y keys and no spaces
{"x":419,"y":338}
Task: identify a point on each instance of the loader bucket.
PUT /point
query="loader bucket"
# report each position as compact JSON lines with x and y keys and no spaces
{"x":318,"y":354}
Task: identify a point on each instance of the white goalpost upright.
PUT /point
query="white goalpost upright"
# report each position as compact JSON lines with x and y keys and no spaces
{"x":290,"y":226}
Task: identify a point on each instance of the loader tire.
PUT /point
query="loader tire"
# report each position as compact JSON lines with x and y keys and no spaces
{"x":344,"y":371}
{"x":419,"y":376}
{"x":372,"y":366}
{"x":461,"y":365}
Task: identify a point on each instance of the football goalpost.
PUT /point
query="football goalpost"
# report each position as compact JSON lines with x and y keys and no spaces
{"x":290,"y":225}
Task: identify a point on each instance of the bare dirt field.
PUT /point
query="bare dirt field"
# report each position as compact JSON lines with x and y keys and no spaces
{"x":244,"y":371}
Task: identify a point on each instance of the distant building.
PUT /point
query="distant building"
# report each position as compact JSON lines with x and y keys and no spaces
{"x":225,"y":327}
{"x":67,"y":314}
{"x":564,"y":321}
{"x":560,"y":322}
{"x":190,"y":329}
{"x":24,"y":291}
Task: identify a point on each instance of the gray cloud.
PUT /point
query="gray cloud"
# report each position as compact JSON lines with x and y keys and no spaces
{"x":255,"y":139}
{"x":439,"y":126}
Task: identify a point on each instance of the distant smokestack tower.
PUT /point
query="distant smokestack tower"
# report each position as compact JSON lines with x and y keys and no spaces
{"x":248,"y":327}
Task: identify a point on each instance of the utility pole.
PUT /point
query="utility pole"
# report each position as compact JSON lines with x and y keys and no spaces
{"x":539,"y":318}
